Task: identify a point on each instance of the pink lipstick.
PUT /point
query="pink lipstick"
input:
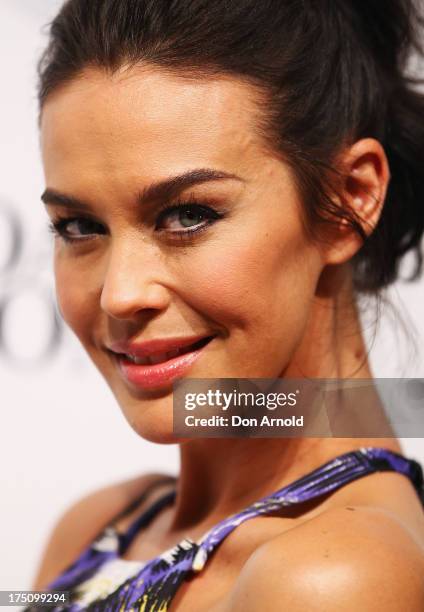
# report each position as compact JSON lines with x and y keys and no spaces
{"x":154,"y":364}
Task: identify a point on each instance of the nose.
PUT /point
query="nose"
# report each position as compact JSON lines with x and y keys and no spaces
{"x":132,"y":282}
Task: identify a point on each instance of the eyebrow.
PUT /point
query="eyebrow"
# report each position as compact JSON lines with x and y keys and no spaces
{"x":160,"y":190}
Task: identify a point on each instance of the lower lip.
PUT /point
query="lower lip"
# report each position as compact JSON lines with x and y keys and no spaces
{"x":149,"y":377}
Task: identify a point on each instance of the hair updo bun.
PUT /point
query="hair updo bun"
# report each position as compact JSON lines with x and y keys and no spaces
{"x":392,"y":34}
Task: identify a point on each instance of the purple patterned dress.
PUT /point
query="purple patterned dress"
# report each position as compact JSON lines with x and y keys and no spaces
{"x":99,"y":580}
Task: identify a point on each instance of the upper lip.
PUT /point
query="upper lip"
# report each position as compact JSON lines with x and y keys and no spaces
{"x":152,"y":347}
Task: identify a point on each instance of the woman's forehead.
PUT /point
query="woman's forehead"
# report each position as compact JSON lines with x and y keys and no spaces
{"x":149,"y":114}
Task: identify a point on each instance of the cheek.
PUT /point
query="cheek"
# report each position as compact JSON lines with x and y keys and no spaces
{"x":76,"y":296}
{"x":257,"y":281}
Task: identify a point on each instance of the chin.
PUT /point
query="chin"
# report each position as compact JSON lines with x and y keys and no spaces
{"x":153,"y":432}
{"x":151,"y":418}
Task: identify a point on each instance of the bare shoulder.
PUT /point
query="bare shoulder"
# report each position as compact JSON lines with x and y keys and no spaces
{"x":348,"y":558}
{"x":82,"y":522}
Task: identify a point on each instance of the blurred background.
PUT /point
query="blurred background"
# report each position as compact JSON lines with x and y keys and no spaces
{"x":63,"y":432}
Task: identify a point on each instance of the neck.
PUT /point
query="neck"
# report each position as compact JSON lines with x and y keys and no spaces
{"x":332,"y":345}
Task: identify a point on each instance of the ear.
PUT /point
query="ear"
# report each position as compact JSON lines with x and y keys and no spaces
{"x":363,"y":188}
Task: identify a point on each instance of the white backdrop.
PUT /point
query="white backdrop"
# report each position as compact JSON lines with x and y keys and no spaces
{"x":53,"y":449}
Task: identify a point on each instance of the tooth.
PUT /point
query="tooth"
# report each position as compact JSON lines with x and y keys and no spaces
{"x":141,"y":360}
{"x":136,"y":360}
{"x":157,"y":358}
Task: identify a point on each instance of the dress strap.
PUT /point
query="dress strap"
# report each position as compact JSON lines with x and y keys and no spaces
{"x":330,"y":476}
{"x":158,"y":579}
{"x":144,"y":519}
{"x":107,"y":545}
{"x":143,"y":496}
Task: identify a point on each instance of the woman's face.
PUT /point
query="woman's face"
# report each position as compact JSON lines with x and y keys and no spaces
{"x":233,"y":266}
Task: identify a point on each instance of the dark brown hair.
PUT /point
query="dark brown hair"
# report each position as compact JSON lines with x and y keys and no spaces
{"x":332,"y":71}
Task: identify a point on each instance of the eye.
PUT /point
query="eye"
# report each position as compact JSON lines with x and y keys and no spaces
{"x":186,"y":218}
{"x":179,"y":219}
{"x":76,"y":229}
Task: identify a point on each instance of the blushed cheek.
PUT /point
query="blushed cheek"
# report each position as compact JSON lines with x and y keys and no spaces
{"x":260,"y":283}
{"x":230,"y":284}
{"x":223,"y":286}
{"x":75,"y":301}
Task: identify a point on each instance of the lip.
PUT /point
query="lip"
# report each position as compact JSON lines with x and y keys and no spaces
{"x":163,"y":374}
{"x":158,"y":345}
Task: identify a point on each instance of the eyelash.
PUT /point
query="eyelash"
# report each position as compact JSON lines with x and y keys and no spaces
{"x":58,"y":226}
